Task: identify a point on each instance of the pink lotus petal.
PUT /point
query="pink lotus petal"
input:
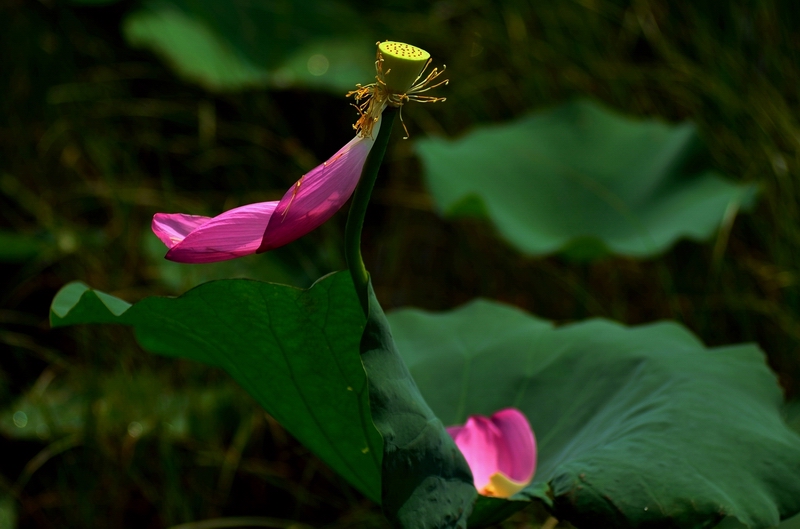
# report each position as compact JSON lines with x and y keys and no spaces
{"x":518,"y":459}
{"x":454,"y":430}
{"x":172,"y":228}
{"x":267,"y":225}
{"x":501,"y":444}
{"x":480,"y":441}
{"x":320,"y":193}
{"x":195,"y":239}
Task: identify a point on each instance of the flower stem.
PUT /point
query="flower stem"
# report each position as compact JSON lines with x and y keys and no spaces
{"x":358,"y":208}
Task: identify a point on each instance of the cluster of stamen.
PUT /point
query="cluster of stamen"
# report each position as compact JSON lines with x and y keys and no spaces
{"x":371,"y":99}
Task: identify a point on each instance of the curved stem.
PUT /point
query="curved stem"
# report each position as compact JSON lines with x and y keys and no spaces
{"x":358,"y":208}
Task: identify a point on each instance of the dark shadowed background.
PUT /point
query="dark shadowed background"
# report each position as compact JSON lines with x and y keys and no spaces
{"x":113,"y":111}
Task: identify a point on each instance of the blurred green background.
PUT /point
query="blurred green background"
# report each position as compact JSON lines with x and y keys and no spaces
{"x":113,"y":111}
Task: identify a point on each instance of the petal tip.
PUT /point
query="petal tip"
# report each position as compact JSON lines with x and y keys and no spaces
{"x":500,"y":451}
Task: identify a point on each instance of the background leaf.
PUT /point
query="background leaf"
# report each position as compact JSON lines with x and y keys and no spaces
{"x":791,"y":413}
{"x":295,"y":351}
{"x":17,"y":247}
{"x":239,"y":45}
{"x":636,"y":425}
{"x":8,"y":512}
{"x":426,"y":481}
{"x":583,"y":180}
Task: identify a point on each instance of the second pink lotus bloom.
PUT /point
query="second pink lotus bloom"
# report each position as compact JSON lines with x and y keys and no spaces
{"x":245,"y":230}
{"x":500,"y":451}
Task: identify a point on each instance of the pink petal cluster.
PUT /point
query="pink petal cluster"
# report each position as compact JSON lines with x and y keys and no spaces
{"x":245,"y":230}
{"x":500,"y":451}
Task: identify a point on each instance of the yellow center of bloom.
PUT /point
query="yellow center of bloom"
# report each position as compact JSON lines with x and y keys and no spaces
{"x":500,"y":486}
{"x":400,"y":70}
{"x":402,"y":64}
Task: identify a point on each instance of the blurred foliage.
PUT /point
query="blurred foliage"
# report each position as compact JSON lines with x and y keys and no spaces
{"x":16,"y":247}
{"x":96,"y":136}
{"x":138,"y":406}
{"x":583,"y":181}
{"x":236,"y":45}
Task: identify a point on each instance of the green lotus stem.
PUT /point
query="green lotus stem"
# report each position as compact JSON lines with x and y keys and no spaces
{"x":358,"y":208}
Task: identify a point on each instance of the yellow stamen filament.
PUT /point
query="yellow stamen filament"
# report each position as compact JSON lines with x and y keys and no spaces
{"x":371,"y":99}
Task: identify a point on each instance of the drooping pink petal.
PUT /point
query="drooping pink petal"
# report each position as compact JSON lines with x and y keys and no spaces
{"x":172,"y":228}
{"x":195,"y":239}
{"x":500,"y":446}
{"x":259,"y":227}
{"x":320,"y":193}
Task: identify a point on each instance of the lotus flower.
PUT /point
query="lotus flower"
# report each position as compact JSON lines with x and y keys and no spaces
{"x":314,"y":198}
{"x":245,"y":230}
{"x":500,"y":451}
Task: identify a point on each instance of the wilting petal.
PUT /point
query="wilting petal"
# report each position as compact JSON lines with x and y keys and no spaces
{"x":320,"y":193}
{"x":195,"y":239}
{"x":172,"y":228}
{"x":259,"y":227}
{"x":500,"y":451}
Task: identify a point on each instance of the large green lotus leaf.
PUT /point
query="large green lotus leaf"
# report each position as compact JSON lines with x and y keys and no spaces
{"x":295,"y":351}
{"x":426,"y":481}
{"x":637,"y":426}
{"x":733,"y":523}
{"x":238,"y":45}
{"x":583,"y":180}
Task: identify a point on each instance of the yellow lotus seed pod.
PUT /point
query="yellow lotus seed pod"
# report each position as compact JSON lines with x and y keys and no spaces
{"x":402,"y":64}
